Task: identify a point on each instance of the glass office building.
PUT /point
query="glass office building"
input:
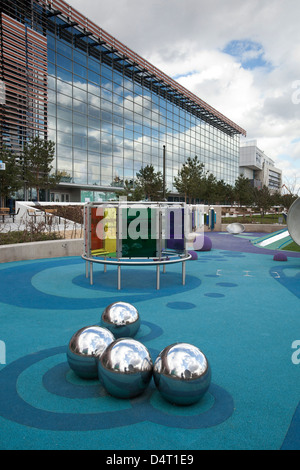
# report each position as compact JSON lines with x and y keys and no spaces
{"x":109,"y":111}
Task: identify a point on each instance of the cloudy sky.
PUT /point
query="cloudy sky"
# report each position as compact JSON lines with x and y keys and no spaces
{"x":240,"y":56}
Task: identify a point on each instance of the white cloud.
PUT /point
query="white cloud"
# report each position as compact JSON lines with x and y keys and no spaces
{"x":187,"y":41}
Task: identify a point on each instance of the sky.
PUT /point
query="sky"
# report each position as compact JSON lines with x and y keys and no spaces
{"x":240,"y":56}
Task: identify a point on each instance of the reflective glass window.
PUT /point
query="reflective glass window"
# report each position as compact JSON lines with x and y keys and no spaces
{"x":79,"y":58}
{"x":65,"y":75}
{"x":64,"y":113}
{"x":64,"y":126}
{"x":106,"y":72}
{"x":64,"y":139}
{"x":106,"y":147}
{"x":94,"y":77}
{"x":51,"y":109}
{"x":80,"y":119}
{"x":94,"y":112}
{"x":64,"y":49}
{"x":79,"y":129}
{"x":79,"y":93}
{"x":93,"y":123}
{"x":80,"y":141}
{"x":80,"y":106}
{"x":64,"y":62}
{"x":51,"y":69}
{"x":93,"y":65}
{"x":93,"y":145}
{"x":79,"y":70}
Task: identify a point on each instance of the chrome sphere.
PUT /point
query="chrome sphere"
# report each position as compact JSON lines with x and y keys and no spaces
{"x":122,"y":319}
{"x":235,"y":228}
{"x":182,"y":374}
{"x":84,"y":347}
{"x":125,"y":368}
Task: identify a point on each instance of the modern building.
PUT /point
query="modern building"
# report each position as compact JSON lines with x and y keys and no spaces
{"x":109,"y":111}
{"x":259,"y":168}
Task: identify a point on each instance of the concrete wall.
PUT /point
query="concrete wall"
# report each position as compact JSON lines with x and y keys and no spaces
{"x":41,"y":250}
{"x":260,"y":228}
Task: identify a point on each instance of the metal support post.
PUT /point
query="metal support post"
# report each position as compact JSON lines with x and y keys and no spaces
{"x":183,"y":273}
{"x":91,"y":274}
{"x":157,"y":277}
{"x":119,"y":277}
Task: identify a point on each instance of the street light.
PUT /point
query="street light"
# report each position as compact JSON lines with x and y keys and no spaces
{"x":164,"y":173}
{"x":2,"y":168}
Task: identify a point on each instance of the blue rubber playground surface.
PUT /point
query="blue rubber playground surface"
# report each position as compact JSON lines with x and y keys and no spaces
{"x":239,"y":306}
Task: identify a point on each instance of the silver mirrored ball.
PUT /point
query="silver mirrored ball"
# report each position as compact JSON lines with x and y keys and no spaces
{"x":182,"y":374}
{"x":85,"y":346}
{"x":122,"y":319}
{"x":125,"y":368}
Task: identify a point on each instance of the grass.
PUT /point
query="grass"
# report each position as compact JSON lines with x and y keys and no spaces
{"x":292,"y":247}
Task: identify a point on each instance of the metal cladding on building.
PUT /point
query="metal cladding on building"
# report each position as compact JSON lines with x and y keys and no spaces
{"x":109,"y":111}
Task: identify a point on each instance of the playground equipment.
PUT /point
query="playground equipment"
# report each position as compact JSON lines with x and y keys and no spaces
{"x":293,"y":221}
{"x":121,"y":319}
{"x":211,"y":218}
{"x":139,"y":234}
{"x":125,"y":368}
{"x":182,"y":374}
{"x":235,"y":228}
{"x":84,"y":347}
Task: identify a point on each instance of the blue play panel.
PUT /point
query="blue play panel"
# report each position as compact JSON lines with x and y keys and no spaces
{"x":239,"y":306}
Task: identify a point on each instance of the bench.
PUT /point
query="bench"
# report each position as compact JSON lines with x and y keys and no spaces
{"x":34,"y":213}
{"x":4,"y":212}
{"x":14,"y":214}
{"x":50,"y":213}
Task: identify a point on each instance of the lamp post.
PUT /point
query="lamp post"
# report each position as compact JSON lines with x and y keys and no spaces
{"x":2,"y":168}
{"x":164,"y":173}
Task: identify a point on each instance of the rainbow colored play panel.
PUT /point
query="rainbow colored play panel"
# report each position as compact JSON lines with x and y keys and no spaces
{"x":119,"y":234}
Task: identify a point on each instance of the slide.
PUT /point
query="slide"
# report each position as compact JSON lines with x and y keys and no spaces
{"x":283,"y":238}
{"x":274,"y":241}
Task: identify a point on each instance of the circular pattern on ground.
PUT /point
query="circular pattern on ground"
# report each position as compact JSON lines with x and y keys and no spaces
{"x":181,"y":305}
{"x":226,"y":284}
{"x":25,"y":407}
{"x":214,"y":295}
{"x":60,"y":284}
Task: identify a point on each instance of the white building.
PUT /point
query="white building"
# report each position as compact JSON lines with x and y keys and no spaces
{"x":259,"y":168}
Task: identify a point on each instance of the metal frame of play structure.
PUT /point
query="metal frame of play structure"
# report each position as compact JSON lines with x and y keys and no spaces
{"x":163,"y":237}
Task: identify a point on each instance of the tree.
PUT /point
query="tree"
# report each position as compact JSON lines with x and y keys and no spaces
{"x":10,"y":180}
{"x":130,"y":192}
{"x":210,"y":188}
{"x":243,"y":191}
{"x":263,"y":200}
{"x":190,"y":180}
{"x":224,"y":193}
{"x":36,"y":160}
{"x":149,"y":184}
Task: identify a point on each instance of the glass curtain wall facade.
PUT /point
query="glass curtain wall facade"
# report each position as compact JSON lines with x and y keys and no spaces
{"x":111,"y":113}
